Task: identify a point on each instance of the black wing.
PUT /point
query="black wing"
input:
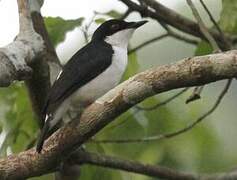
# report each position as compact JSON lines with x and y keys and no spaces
{"x":84,"y":66}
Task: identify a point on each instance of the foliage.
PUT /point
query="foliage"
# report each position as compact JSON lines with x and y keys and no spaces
{"x":19,"y":124}
{"x":57,"y":27}
{"x":113,"y":13}
{"x":100,"y":20}
{"x":228,"y":20}
{"x":203,"y":48}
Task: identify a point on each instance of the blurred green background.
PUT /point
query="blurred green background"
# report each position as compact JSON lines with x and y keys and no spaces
{"x":209,"y":147}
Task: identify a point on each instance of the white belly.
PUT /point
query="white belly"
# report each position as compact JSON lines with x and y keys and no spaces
{"x":106,"y":80}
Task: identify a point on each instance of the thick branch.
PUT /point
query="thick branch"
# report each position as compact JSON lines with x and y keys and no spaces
{"x":15,"y":57}
{"x":44,"y":67}
{"x":188,"y":72}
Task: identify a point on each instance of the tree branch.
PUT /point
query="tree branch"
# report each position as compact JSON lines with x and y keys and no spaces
{"x":15,"y":57}
{"x":188,"y":72}
{"x":196,"y":94}
{"x":182,"y":37}
{"x":172,"y":134}
{"x":203,"y":28}
{"x":197,"y":91}
{"x":151,"y":108}
{"x":161,"y":13}
{"x":45,"y":71}
{"x":131,"y":166}
{"x":45,"y":68}
{"x":126,"y":14}
{"x":227,"y":43}
{"x":144,"y":169}
{"x":169,"y":33}
{"x":148,"y":42}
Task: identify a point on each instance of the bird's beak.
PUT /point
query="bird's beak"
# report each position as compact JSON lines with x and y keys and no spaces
{"x":136,"y":24}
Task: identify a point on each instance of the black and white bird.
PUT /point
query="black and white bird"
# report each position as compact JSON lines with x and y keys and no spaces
{"x":90,"y":73}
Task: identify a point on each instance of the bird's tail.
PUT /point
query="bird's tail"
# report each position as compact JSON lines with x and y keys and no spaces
{"x":43,"y":136}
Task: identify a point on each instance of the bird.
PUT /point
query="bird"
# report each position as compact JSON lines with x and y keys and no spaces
{"x":91,"y":72}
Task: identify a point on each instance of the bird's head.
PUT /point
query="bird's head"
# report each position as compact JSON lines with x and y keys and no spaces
{"x":116,"y":32}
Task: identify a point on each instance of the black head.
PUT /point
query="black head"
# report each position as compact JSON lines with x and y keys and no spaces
{"x":113,"y":26}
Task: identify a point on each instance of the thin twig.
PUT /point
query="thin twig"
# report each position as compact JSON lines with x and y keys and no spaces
{"x":155,"y":107}
{"x":195,"y":95}
{"x":156,"y":171}
{"x":148,"y":42}
{"x":212,"y":18}
{"x":172,"y":134}
{"x":86,"y":28}
{"x":197,"y":91}
{"x":227,"y":42}
{"x":126,"y":14}
{"x":202,"y":27}
{"x":183,"y":38}
{"x":177,"y":35}
{"x":31,"y":143}
{"x":119,"y":163}
{"x":169,"y":33}
{"x":163,"y":102}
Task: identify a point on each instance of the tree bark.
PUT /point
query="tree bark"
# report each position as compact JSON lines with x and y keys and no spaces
{"x":16,"y":57}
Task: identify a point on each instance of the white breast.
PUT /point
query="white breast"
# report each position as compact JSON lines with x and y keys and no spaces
{"x":106,"y":80}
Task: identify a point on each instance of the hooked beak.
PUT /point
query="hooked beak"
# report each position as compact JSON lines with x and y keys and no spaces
{"x":136,"y":24}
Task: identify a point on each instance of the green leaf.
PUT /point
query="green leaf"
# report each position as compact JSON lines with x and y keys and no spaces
{"x":132,"y":67}
{"x":100,"y":20}
{"x":203,"y":48}
{"x":57,"y":27}
{"x":17,"y":119}
{"x":97,"y":172}
{"x":228,"y":20}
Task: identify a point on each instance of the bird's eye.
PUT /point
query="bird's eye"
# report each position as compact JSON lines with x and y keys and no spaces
{"x":115,"y":27}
